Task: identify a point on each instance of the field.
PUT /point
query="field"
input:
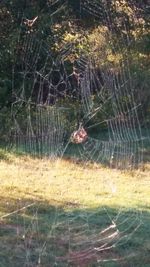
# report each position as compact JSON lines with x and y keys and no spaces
{"x":70,"y":213}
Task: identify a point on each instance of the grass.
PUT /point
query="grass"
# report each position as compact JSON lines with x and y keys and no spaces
{"x":54,"y":213}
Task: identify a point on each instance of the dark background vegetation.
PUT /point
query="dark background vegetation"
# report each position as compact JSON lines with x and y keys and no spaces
{"x":62,"y":22}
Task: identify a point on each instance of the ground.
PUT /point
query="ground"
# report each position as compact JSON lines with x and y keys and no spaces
{"x":69,"y":213}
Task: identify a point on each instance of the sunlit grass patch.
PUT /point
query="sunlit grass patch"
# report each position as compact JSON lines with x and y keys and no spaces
{"x":57,"y":211}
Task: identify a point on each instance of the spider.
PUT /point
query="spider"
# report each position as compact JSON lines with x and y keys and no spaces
{"x":79,"y":136}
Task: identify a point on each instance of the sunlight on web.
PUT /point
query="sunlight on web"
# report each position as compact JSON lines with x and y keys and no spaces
{"x":87,"y":112}
{"x":104,"y":101}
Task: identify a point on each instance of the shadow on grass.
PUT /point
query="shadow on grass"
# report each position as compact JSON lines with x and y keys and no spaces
{"x":45,"y":235}
{"x":119,"y":157}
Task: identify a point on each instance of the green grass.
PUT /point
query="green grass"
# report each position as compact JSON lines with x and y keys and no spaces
{"x":55,"y":214}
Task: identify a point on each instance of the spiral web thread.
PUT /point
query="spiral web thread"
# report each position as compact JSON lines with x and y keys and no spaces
{"x":71,"y":239}
{"x":45,"y":129}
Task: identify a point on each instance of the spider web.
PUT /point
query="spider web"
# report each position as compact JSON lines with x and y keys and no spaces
{"x":104,"y":101}
{"x":44,"y":118}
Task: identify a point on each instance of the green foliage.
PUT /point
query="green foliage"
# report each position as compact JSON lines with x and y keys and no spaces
{"x":61,"y":23}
